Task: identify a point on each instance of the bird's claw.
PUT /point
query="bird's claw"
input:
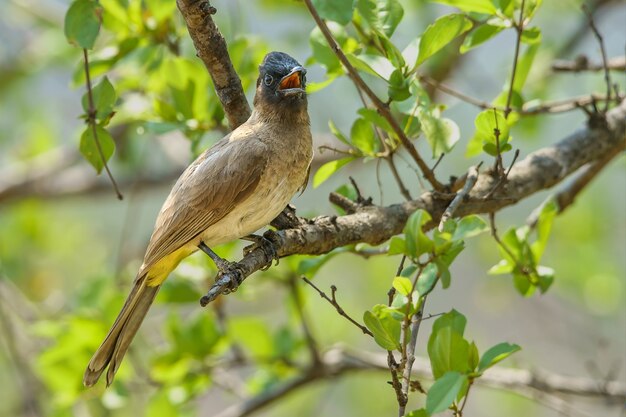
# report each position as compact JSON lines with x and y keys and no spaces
{"x":266,"y":244}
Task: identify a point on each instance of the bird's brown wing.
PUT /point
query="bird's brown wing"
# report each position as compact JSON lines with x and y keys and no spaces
{"x":209,"y":188}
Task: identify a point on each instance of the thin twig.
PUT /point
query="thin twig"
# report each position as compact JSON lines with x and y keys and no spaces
{"x":306,"y":329}
{"x":503,"y":178}
{"x":334,"y":303}
{"x":382,"y":108}
{"x":394,"y":170}
{"x":91,"y":119}
{"x":529,"y":108}
{"x":582,"y":63}
{"x":520,"y":29}
{"x":499,"y":166}
{"x":472,"y":177}
{"x":605,"y":64}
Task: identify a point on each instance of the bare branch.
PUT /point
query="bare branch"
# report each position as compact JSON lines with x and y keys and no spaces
{"x":472,"y":177}
{"x":337,"y":362}
{"x":213,"y":51}
{"x":605,"y":64}
{"x":374,"y":224}
{"x":581,"y":63}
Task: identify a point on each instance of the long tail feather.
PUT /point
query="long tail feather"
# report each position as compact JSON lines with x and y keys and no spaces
{"x":115,"y":345}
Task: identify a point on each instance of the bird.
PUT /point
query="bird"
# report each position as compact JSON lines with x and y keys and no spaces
{"x":234,"y":188}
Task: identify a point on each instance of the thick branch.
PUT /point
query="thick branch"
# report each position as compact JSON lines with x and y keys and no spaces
{"x":213,"y":51}
{"x":374,"y":224}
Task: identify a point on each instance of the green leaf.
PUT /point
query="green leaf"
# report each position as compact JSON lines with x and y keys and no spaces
{"x":418,"y":413}
{"x":428,"y":278}
{"x":531,"y":35}
{"x":89,"y":148}
{"x":469,"y":226}
{"x":444,"y":391}
{"x":480,"y":35}
{"x":486,"y":124}
{"x":397,"y":246}
{"x":496,"y":354}
{"x":543,"y":227}
{"x":476,"y":6}
{"x":104,"y":97}
{"x":403,"y":285}
{"x":523,"y":285}
{"x":338,"y":134}
{"x":417,"y":242}
{"x":447,"y":349}
{"x":441,"y":133}
{"x":323,"y":54}
{"x":502,"y":267}
{"x":381,"y":15}
{"x":441,"y":33}
{"x":545,"y":278}
{"x":524,"y":64}
{"x":339,"y":11}
{"x":473,"y":356}
{"x":398,"y":89}
{"x":161,"y":9}
{"x":385,"y":328}
{"x":363,"y":137}
{"x":329,"y":168}
{"x":374,"y":117}
{"x":82,"y":23}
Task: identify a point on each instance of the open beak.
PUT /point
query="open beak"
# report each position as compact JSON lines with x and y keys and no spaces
{"x":292,"y":82}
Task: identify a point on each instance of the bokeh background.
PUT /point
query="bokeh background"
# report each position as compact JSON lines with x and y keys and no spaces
{"x":69,"y":249}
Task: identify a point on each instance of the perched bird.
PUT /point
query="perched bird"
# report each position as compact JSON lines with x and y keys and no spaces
{"x":234,"y":188}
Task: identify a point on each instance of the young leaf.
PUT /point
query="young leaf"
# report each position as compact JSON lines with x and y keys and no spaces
{"x":417,"y":242}
{"x":479,"y":36}
{"x":82,"y":23}
{"x":329,"y":168}
{"x":403,"y":285}
{"x":441,"y":33}
{"x":444,"y":391}
{"x":363,"y":137}
{"x":381,"y":15}
{"x":469,"y":226}
{"x":339,"y":11}
{"x":418,"y":413}
{"x":496,"y":354}
{"x":397,"y":246}
{"x":426,"y":281}
{"x":338,"y":134}
{"x":441,"y":133}
{"x":103,"y":99}
{"x":385,"y":328}
{"x":89,"y":148}
{"x":398,"y":86}
{"x":476,"y":6}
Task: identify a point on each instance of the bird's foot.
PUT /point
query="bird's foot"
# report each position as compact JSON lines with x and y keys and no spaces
{"x":266,"y":243}
{"x":226,"y":271}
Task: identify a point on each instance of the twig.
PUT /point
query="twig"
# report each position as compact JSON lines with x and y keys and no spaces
{"x":345,"y":203}
{"x":582,"y":63}
{"x":499,"y":166}
{"x":382,"y":108}
{"x":502,"y":178}
{"x":520,"y":29}
{"x":334,"y":303}
{"x":472,"y":177}
{"x":306,"y":329}
{"x":529,"y":108}
{"x":605,"y":64}
{"x":394,"y":170}
{"x":410,"y":360}
{"x":438,"y":161}
{"x":494,"y":234}
{"x":91,"y":119}
{"x":337,"y":362}
{"x":212,"y":49}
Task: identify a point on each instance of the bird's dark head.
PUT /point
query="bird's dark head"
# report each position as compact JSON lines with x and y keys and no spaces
{"x":281,"y":84}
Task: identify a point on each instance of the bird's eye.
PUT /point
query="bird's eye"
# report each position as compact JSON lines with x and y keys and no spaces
{"x":268,"y":79}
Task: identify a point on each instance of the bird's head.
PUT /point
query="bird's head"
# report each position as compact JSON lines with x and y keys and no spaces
{"x":281,"y":84}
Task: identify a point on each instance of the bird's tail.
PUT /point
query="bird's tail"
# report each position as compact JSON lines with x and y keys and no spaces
{"x":115,"y":345}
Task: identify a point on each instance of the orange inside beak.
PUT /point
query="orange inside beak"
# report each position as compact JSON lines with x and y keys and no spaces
{"x":291,"y":81}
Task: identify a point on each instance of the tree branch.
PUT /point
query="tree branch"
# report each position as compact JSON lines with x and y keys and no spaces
{"x":336,"y":362}
{"x":213,"y":51}
{"x":374,"y":225}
